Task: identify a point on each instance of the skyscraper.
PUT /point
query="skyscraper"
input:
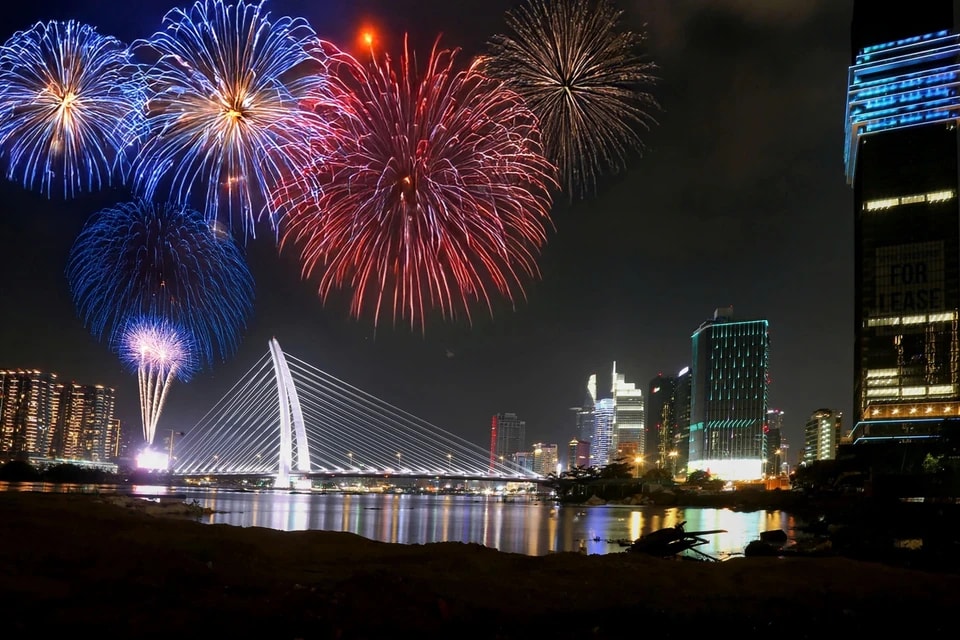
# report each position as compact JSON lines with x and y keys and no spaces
{"x":660,"y":419}
{"x":603,"y":449}
{"x":900,"y":156}
{"x":507,"y":435}
{"x":86,"y":429}
{"x":772,"y":453}
{"x":821,"y":435}
{"x":681,"y":430}
{"x":29,"y":402}
{"x":628,"y":413}
{"x":729,"y":396}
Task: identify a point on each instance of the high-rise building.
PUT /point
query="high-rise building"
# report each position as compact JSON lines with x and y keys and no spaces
{"x":29,"y":402}
{"x":900,"y":153}
{"x":578,"y":453}
{"x":729,"y":396}
{"x":585,"y":411}
{"x":628,"y":413}
{"x":603,"y":447}
{"x":86,"y":429}
{"x":772,"y":453}
{"x":821,"y":435}
{"x":545,"y":458}
{"x":660,"y":419}
{"x":681,"y":430}
{"x":507,"y":435}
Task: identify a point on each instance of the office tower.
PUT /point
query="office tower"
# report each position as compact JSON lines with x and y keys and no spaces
{"x":507,"y":435}
{"x":660,"y":419}
{"x":821,"y":435}
{"x":602,"y":447}
{"x":900,"y":153}
{"x":772,"y":454}
{"x":729,"y":396}
{"x":28,"y":412}
{"x":545,"y":458}
{"x":585,"y":415}
{"x":681,"y":429}
{"x":628,"y":413}
{"x":578,"y":453}
{"x":86,"y":429}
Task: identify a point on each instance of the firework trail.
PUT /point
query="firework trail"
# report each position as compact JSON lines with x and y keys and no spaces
{"x":160,"y":351}
{"x":434,"y":194}
{"x":223,"y":109}
{"x":71,"y":101}
{"x":584,"y":77}
{"x":161,"y":261}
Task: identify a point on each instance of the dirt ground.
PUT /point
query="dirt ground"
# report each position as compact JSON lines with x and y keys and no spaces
{"x":77,"y":564}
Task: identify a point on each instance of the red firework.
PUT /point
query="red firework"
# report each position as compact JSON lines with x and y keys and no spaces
{"x":433,"y":195}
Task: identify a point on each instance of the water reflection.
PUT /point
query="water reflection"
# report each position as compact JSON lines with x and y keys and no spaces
{"x":516,"y":527}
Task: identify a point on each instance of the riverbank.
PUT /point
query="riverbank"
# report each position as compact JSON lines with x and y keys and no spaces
{"x":76,"y":564}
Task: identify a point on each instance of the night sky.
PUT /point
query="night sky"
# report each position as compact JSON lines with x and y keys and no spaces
{"x":739,"y":199}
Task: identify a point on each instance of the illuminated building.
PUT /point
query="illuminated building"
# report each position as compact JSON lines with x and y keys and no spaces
{"x":821,"y":435}
{"x":29,"y":402}
{"x":729,"y":397}
{"x":628,"y":415}
{"x":545,"y":458}
{"x":773,"y":440}
{"x":660,"y":420}
{"x":86,"y":429}
{"x":603,"y":445}
{"x":578,"y":453}
{"x":507,"y":435}
{"x":681,"y":431}
{"x":900,"y":156}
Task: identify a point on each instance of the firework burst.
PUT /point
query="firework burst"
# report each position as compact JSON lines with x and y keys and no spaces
{"x":584,"y":77}
{"x":137,"y":259}
{"x":223,"y":108}
{"x":435,"y":194}
{"x":71,"y":100}
{"x":160,"y":351}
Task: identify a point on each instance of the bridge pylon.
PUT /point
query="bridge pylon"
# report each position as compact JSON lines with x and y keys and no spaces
{"x":291,"y":420}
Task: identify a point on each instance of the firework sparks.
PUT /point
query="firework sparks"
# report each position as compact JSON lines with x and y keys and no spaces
{"x":583,"y":76}
{"x":160,"y":351}
{"x":138,"y":259}
{"x":435,"y":194}
{"x":223,"y":111}
{"x":71,"y":102}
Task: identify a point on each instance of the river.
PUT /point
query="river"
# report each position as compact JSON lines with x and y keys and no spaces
{"x":526,"y":527}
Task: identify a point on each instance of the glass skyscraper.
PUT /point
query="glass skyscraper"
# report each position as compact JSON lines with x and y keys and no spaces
{"x":729,"y":397}
{"x":628,"y":413}
{"x":900,"y":154}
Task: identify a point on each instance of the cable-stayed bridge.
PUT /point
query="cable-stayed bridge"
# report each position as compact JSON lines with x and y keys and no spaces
{"x":288,"y":419}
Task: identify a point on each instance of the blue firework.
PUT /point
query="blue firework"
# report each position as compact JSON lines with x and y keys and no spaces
{"x":161,"y":261}
{"x":223,"y":113}
{"x":71,"y":103}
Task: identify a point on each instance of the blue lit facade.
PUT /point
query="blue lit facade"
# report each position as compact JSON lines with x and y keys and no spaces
{"x":730,"y":378}
{"x":901,"y":157}
{"x":603,"y":447}
{"x":904,"y":83}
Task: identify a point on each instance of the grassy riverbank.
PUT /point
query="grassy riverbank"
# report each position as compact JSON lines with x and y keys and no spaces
{"x":77,"y":564}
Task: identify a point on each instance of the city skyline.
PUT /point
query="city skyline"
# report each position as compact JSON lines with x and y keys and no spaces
{"x":726,"y":206}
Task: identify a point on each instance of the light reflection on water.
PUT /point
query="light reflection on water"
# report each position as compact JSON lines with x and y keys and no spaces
{"x":517,"y":527}
{"x":531,"y":528}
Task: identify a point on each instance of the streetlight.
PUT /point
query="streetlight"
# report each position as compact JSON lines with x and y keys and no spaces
{"x":673,"y":462}
{"x":639,"y":461}
{"x":450,"y":463}
{"x":350,"y":455}
{"x":398,"y":462}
